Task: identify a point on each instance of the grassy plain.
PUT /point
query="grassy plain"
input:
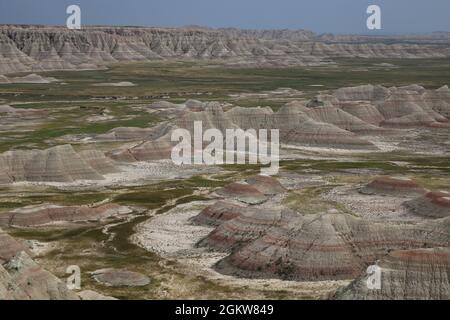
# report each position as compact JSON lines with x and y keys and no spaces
{"x":74,"y":99}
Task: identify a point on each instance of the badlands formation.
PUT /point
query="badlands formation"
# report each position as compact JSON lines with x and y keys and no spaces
{"x":41,"y":216}
{"x":393,"y":186}
{"x":335,"y":123}
{"x":429,"y":268}
{"x":250,"y":228}
{"x":434,"y":204}
{"x":281,"y":243}
{"x":21,"y":278}
{"x":363,"y":176}
{"x":270,"y":241}
{"x":38,"y":48}
{"x":57,"y":164}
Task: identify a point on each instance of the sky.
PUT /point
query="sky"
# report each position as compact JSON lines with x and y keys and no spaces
{"x":321,"y":16}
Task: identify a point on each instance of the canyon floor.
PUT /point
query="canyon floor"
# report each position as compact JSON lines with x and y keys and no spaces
{"x":152,"y":231}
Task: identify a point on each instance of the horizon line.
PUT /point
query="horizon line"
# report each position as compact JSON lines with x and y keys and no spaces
{"x":377,"y":33}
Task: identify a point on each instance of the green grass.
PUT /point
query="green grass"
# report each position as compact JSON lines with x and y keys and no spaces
{"x":411,"y":166}
{"x":179,"y":81}
{"x":308,"y":201}
{"x":91,"y":249}
{"x":155,"y":196}
{"x":330,"y":166}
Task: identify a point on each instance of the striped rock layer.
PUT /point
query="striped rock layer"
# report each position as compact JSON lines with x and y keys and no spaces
{"x":21,"y":278}
{"x":249,"y":225}
{"x":56,"y":164}
{"x":420,"y":274}
{"x":343,"y":120}
{"x":435,"y":204}
{"x":398,"y":186}
{"x":316,"y":247}
{"x":9,"y":247}
{"x":217,"y":213}
{"x":39,"y":48}
{"x":403,"y":107}
{"x":40,"y":217}
{"x":245,"y":193}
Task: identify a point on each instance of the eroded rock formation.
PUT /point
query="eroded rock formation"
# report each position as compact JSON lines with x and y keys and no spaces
{"x":420,"y":274}
{"x":435,"y":204}
{"x":120,"y":278}
{"x":41,"y":216}
{"x":36,"y":48}
{"x":250,"y":224}
{"x":9,"y":247}
{"x":245,"y":193}
{"x":21,"y":278}
{"x":158,"y":149}
{"x":57,"y":164}
{"x":217,"y":213}
{"x":398,"y":186}
{"x":266,"y":185}
{"x":403,"y":107}
{"x":323,"y":246}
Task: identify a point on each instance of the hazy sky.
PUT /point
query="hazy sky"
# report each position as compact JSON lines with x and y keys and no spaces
{"x":337,"y":16}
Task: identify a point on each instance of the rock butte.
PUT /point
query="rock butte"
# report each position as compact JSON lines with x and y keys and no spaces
{"x":23,"y":279}
{"x":44,"y":216}
{"x":6,"y":111}
{"x":31,"y":78}
{"x":120,"y":278}
{"x":433,"y":205}
{"x":249,"y":225}
{"x":266,"y":185}
{"x":399,"y":186}
{"x":217,"y":213}
{"x":132,"y":133}
{"x":9,"y":247}
{"x":404,"y":107}
{"x":420,"y":274}
{"x":57,"y":164}
{"x":325,"y":246}
{"x":337,"y":124}
{"x":349,"y":115}
{"x":10,"y":116}
{"x":21,"y":46}
{"x":242,"y":192}
{"x":158,"y":149}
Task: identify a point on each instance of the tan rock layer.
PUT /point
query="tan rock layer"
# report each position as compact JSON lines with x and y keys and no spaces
{"x":434,"y":204}
{"x":41,"y":217}
{"x":420,"y":274}
{"x":393,"y":186}
{"x":217,"y":213}
{"x":9,"y":247}
{"x":245,"y":193}
{"x":56,"y":164}
{"x":33,"y":48}
{"x":322,"y":246}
